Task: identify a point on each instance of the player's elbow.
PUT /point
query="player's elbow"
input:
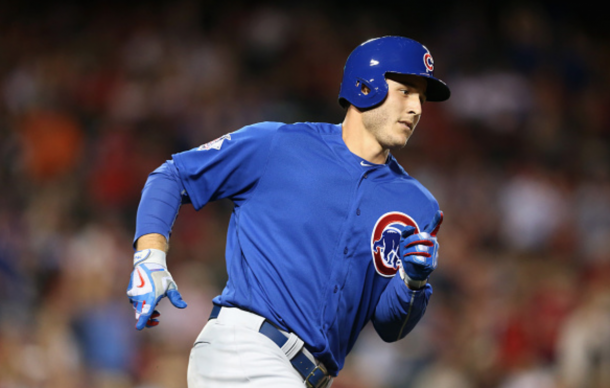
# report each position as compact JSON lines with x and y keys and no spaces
{"x":387,"y":332}
{"x":388,"y":338}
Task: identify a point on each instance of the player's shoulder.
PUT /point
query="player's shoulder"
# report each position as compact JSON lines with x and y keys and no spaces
{"x":262,"y":127}
{"x":313,"y":127}
{"x":274,"y":126}
{"x":264,"y":132}
{"x":414,"y":185}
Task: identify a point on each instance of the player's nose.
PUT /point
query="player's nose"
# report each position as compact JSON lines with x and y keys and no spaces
{"x":414,"y":105}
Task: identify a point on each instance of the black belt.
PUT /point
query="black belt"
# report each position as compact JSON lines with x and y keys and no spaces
{"x":316,"y":376}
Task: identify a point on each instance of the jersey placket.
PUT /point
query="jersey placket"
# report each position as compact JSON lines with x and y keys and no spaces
{"x":346,"y":250}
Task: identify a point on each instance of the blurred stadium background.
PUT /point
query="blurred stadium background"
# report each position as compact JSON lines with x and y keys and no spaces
{"x":94,"y":97}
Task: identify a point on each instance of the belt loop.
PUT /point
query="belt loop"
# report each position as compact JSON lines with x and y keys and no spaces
{"x":215,"y":311}
{"x":292,"y":346}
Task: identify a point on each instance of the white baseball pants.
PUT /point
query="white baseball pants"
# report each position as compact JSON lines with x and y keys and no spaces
{"x":231,"y":353}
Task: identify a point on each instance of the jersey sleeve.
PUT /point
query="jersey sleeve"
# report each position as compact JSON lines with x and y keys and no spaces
{"x":228,"y":167}
{"x":399,"y":309}
{"x":161,"y":198}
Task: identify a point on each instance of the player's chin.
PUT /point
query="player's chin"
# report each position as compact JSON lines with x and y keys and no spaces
{"x":398,"y":142}
{"x":395,"y":146}
{"x":402,"y":137}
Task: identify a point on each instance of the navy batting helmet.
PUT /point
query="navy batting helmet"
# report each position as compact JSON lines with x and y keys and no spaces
{"x":372,"y":60}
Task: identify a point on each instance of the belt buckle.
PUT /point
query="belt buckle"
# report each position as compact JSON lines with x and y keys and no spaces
{"x":321,"y":383}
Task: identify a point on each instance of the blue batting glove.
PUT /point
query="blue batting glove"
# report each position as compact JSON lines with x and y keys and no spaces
{"x":150,"y":282}
{"x":419,"y":252}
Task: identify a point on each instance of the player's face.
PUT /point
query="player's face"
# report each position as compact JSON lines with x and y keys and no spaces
{"x":392,"y":123}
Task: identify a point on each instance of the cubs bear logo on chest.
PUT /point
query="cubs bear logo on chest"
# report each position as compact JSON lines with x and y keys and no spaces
{"x":385,"y":240}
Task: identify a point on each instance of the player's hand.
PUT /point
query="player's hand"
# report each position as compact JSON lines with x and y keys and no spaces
{"x":150,"y":282}
{"x":419,"y":252}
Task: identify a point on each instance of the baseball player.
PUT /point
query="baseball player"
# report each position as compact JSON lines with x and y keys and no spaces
{"x":324,"y":219}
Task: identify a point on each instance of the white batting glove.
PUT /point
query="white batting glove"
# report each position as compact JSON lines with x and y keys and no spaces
{"x":150,"y":282}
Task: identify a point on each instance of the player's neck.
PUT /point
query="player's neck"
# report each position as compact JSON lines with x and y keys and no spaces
{"x":360,"y":141}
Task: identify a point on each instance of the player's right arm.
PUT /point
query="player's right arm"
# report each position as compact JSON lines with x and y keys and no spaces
{"x":228,"y":167}
{"x":152,"y":241}
{"x":150,"y":280}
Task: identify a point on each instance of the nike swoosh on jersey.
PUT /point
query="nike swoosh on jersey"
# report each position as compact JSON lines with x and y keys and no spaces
{"x":365,"y":164}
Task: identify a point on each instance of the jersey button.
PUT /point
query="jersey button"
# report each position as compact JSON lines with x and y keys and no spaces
{"x":366,"y":175}
{"x":358,"y":211}
{"x":336,"y":289}
{"x":345,"y":251}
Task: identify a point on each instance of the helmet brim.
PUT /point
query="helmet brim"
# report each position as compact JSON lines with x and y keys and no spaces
{"x":437,"y":90}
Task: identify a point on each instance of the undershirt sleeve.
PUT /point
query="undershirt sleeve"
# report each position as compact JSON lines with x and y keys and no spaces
{"x":162,"y":196}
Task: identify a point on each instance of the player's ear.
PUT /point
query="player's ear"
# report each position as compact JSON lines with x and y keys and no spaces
{"x":365,"y":89}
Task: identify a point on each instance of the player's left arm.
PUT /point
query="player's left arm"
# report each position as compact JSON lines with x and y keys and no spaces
{"x":404,"y":301}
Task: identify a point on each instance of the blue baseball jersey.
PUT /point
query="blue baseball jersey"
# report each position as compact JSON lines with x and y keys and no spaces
{"x":313,"y":238}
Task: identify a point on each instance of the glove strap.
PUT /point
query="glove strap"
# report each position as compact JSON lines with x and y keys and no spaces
{"x":149,"y":256}
{"x":412,"y":283}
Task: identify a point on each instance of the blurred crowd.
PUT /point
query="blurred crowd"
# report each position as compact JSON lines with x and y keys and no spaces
{"x":93,"y":98}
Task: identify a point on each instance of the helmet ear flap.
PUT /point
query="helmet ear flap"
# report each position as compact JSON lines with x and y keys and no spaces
{"x":370,"y":92}
{"x":363,"y":93}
